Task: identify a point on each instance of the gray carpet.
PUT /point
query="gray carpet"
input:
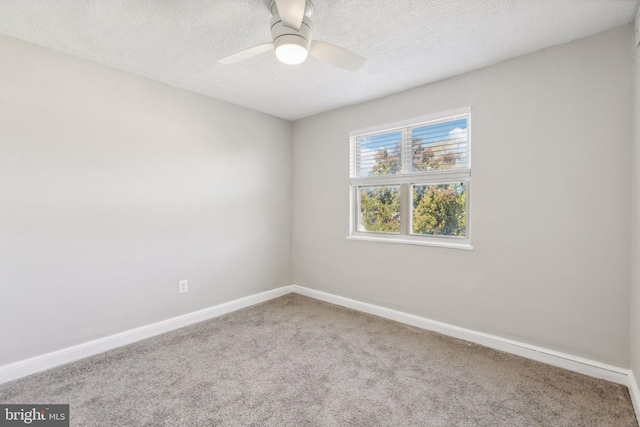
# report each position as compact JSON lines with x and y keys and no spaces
{"x":294,"y":361}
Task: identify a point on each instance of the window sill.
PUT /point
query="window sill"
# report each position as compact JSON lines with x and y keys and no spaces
{"x":449,"y":245}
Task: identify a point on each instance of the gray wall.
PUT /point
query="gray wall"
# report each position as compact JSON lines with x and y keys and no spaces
{"x":114,"y":187}
{"x":550,"y":206}
{"x":635,"y":243}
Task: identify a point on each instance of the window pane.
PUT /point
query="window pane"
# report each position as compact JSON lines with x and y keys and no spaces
{"x":440,"y":146}
{"x":379,"y":209}
{"x":440,"y":209}
{"x":380,"y":154}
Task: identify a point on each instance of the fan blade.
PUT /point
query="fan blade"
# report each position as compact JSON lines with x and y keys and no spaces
{"x":246,"y":54}
{"x":336,"y":55}
{"x":291,"y":12}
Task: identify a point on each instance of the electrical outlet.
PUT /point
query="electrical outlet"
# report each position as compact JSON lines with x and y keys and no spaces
{"x":183,"y":286}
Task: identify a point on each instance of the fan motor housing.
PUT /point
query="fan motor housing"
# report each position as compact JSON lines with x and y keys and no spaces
{"x":281,"y":34}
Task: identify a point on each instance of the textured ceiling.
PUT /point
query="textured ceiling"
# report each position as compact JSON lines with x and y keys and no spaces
{"x":407,"y":42}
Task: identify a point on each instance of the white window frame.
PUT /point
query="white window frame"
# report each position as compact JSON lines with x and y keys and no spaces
{"x":406,"y":180}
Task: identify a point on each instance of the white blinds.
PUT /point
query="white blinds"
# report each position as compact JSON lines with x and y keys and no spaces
{"x":438,"y":146}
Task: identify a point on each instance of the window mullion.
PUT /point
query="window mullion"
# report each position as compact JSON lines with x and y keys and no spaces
{"x":405,"y":202}
{"x":405,"y":208}
{"x":406,"y":150}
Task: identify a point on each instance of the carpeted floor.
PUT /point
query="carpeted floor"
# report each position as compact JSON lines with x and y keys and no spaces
{"x":294,"y":361}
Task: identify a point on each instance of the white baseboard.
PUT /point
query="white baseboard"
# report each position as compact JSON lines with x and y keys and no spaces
{"x":550,"y":357}
{"x":50,"y":360}
{"x":634,"y":391}
{"x":567,"y":361}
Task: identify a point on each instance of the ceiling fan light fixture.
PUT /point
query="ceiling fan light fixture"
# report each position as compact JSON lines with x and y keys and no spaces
{"x":292,"y":35}
{"x":291,"y":49}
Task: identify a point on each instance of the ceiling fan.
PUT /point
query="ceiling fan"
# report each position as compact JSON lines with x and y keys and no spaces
{"x":291,"y":30}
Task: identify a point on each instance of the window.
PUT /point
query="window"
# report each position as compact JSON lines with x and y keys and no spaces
{"x":410,"y":181}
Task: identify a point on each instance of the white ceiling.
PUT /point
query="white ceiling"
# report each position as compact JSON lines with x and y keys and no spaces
{"x":408,"y":43}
